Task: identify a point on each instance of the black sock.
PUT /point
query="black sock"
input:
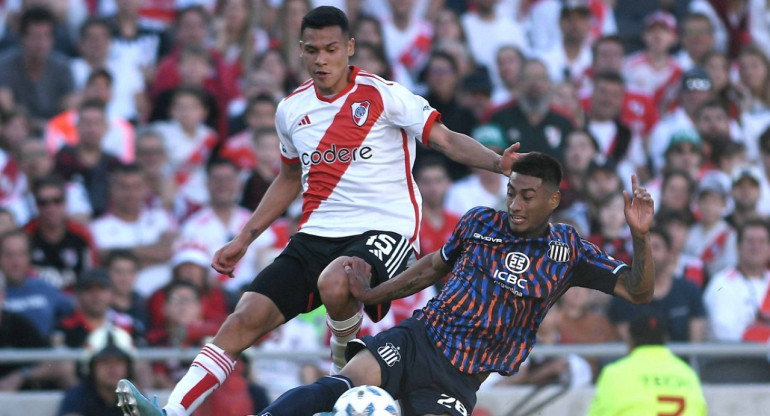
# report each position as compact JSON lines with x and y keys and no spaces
{"x":311,"y":399}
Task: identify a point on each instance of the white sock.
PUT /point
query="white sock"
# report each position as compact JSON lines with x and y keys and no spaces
{"x":342,"y":332}
{"x":207,"y":372}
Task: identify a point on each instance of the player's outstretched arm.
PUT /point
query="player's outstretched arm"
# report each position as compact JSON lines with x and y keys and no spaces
{"x":277,"y":199}
{"x":636,"y":285}
{"x":425,"y":272}
{"x":466,"y":150}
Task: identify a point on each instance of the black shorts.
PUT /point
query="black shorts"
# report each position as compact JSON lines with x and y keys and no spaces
{"x":291,"y":281}
{"x":417,"y":373}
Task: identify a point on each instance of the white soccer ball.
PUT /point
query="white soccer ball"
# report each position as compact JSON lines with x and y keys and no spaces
{"x":366,"y":401}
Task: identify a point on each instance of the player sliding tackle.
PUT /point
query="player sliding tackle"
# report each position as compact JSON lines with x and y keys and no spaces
{"x":348,"y":142}
{"x":486,"y":316}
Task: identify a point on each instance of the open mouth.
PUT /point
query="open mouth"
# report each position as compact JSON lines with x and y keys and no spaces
{"x":516,"y":220}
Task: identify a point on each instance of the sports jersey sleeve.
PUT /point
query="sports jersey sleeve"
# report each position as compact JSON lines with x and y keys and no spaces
{"x":289,"y":154}
{"x":595,"y":268}
{"x":453,"y":248}
{"x":409,"y":112}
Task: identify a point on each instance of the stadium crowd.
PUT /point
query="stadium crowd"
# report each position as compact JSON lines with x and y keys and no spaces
{"x":136,"y":137}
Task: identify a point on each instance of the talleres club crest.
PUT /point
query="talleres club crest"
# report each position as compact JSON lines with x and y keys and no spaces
{"x":360,"y":112}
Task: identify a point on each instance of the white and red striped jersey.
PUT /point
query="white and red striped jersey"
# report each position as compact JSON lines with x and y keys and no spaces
{"x":660,"y":84}
{"x":357,"y":150}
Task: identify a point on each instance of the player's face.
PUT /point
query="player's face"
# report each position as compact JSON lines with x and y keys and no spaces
{"x":326,"y":52}
{"x":530,"y":203}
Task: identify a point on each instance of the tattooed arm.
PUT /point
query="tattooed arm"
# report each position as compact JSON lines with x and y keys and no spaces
{"x":636,"y":285}
{"x":423,"y":273}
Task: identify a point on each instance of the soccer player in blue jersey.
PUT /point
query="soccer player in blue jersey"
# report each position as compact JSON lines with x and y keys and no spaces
{"x":507,"y":269}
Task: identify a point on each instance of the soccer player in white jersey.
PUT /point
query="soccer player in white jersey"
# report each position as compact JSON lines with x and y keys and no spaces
{"x":348,"y":143}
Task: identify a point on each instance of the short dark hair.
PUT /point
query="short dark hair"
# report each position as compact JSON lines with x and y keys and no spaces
{"x":750,"y":223}
{"x":125,"y":169}
{"x":172,"y":286}
{"x":663,"y":233}
{"x":670,"y":173}
{"x":648,"y":329}
{"x":539,"y":165}
{"x":92,"y":103}
{"x":52,"y":181}
{"x":666,"y":216}
{"x":16,"y":232}
{"x":429,"y":161}
{"x":91,"y":22}
{"x":120,"y":254}
{"x":325,"y":16}
{"x":710,"y":103}
{"x":193,"y":91}
{"x":607,"y":39}
{"x":259,"y":99}
{"x":34,"y":16}
{"x":99,"y":73}
{"x":219,"y":161}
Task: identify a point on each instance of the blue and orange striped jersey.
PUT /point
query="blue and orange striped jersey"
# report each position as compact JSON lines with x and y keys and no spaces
{"x":501,"y":286}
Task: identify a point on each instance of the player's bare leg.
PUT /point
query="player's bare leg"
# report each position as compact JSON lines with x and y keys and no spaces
{"x":344,"y":315}
{"x":254,"y":316}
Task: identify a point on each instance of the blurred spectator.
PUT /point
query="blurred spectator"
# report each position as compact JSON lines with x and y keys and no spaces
{"x":712,"y":122}
{"x":93,"y":297}
{"x":730,"y":20}
{"x":460,"y":51}
{"x":189,"y":144}
{"x":685,"y":153}
{"x":14,"y":129}
{"x":657,"y":378}
{"x":677,"y":224}
{"x":135,"y":42}
{"x":711,"y":238}
{"x":487,"y":31}
{"x":7,"y":221}
{"x":476,"y":91}
{"x":37,"y":300}
{"x":127,"y":90}
{"x":543,"y":20}
{"x":286,"y":32}
{"x":737,"y":297}
{"x":578,"y":323}
{"x":258,"y":111}
{"x":371,"y":58}
{"x":17,"y":331}
{"x":676,"y":190}
{"x":579,"y":149}
{"x":602,"y":179}
{"x":604,"y":122}
{"x":759,"y":25}
{"x":638,"y":112}
{"x":61,"y":247}
{"x":697,"y":40}
{"x":194,"y":66}
{"x":565,"y":99}
{"x":754,"y":92}
{"x":236,"y":34}
{"x":509,"y":60}
{"x":407,"y":40}
{"x":110,"y":356}
{"x":530,"y":120}
{"x":481,"y":187}
{"x":147,"y":231}
{"x":190,"y":264}
{"x":118,"y":140}
{"x":612,"y":235}
{"x":447,"y":25}
{"x":67,"y":15}
{"x":241,"y":148}
{"x":151,"y":156}
{"x":719,"y":70}
{"x":86,"y":161}
{"x":569,"y":56}
{"x":122,"y":267}
{"x":764,"y":192}
{"x":267,"y":153}
{"x":12,"y":185}
{"x":218,"y":222}
{"x":677,"y":301}
{"x":191,"y":26}
{"x":695,"y":90}
{"x":181,"y":311}
{"x":273,"y":62}
{"x":745,"y":195}
{"x":37,"y":163}
{"x":654,"y":72}
{"x":437,"y":224}
{"x":38,"y":78}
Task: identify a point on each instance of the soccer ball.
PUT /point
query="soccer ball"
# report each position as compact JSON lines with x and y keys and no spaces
{"x":366,"y":401}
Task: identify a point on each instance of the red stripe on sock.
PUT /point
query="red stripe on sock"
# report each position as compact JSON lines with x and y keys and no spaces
{"x":199,"y":364}
{"x":217,"y":362}
{"x":197,"y":391}
{"x":222,"y":356}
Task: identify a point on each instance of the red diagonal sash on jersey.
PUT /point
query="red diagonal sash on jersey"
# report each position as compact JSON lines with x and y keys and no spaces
{"x":759,"y":331}
{"x":716,"y":247}
{"x":343,"y":132}
{"x":196,"y":159}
